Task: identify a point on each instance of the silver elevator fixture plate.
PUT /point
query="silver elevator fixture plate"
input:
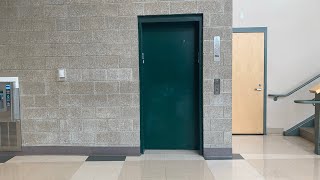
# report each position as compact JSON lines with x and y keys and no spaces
{"x":216,"y":48}
{"x":217,"y":84}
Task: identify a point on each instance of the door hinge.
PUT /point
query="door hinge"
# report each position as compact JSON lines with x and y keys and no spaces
{"x":142,"y":57}
{"x":198,"y":57}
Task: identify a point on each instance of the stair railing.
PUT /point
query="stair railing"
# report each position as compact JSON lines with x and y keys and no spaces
{"x":316,"y":102}
{"x":276,"y":96}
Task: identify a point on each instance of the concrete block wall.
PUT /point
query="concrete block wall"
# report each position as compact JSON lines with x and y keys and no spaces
{"x":96,"y":41}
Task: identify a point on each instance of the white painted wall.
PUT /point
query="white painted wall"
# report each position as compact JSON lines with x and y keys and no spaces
{"x":293,"y":51}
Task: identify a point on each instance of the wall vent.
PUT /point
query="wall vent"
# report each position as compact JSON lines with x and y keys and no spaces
{"x":10,"y":136}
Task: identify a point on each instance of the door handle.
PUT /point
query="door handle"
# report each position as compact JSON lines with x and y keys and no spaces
{"x":258,"y":89}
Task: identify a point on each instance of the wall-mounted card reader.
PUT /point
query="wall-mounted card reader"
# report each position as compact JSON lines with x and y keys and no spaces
{"x":216,"y":48}
{"x":216,"y":86}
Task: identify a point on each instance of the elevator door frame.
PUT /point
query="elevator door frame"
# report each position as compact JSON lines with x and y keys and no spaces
{"x":198,"y":18}
{"x":15,"y":115}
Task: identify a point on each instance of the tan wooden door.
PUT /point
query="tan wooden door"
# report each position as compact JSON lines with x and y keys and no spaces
{"x":247,"y":83}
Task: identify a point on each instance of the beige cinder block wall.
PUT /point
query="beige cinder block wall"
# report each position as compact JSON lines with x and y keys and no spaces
{"x":97,"y":43}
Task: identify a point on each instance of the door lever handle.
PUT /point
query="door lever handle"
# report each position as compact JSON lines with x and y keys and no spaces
{"x":258,"y":89}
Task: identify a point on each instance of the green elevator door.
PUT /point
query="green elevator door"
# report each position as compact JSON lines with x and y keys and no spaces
{"x":170,"y":94}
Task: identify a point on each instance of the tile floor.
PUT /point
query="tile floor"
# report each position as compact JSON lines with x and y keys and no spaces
{"x":265,"y":157}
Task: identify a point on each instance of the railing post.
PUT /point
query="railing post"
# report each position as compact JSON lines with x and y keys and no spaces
{"x":317,"y":126}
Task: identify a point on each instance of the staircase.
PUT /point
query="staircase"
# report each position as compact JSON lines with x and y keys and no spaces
{"x":311,"y":133}
{"x":308,"y":128}
{"x":307,"y":133}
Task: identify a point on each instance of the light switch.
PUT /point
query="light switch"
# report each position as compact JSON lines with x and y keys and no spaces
{"x":61,"y":74}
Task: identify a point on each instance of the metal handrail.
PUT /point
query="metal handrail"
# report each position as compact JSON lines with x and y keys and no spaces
{"x":276,"y":96}
{"x":312,"y":101}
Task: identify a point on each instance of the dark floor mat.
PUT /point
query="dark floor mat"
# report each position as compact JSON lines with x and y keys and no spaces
{"x":237,"y":156}
{"x":106,"y":158}
{"x":4,"y":159}
{"x":234,"y":157}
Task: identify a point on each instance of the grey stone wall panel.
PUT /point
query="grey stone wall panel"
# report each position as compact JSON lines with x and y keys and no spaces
{"x":97,"y":43}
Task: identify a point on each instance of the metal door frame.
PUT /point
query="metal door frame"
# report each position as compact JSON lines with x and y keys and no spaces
{"x":198,"y":18}
{"x":15,"y":112}
{"x":263,"y":30}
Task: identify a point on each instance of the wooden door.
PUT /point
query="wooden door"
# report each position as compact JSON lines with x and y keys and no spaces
{"x":247,"y":83}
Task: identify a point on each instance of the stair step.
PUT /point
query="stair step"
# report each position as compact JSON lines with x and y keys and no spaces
{"x":307,"y":133}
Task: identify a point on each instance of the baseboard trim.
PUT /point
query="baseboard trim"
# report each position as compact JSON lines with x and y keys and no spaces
{"x":274,"y":131}
{"x":294,"y":131}
{"x":76,"y":150}
{"x":217,"y":153}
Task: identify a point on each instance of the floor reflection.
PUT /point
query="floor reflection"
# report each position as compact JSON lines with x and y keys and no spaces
{"x":38,"y":171}
{"x":265,"y":157}
{"x":165,"y":170}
